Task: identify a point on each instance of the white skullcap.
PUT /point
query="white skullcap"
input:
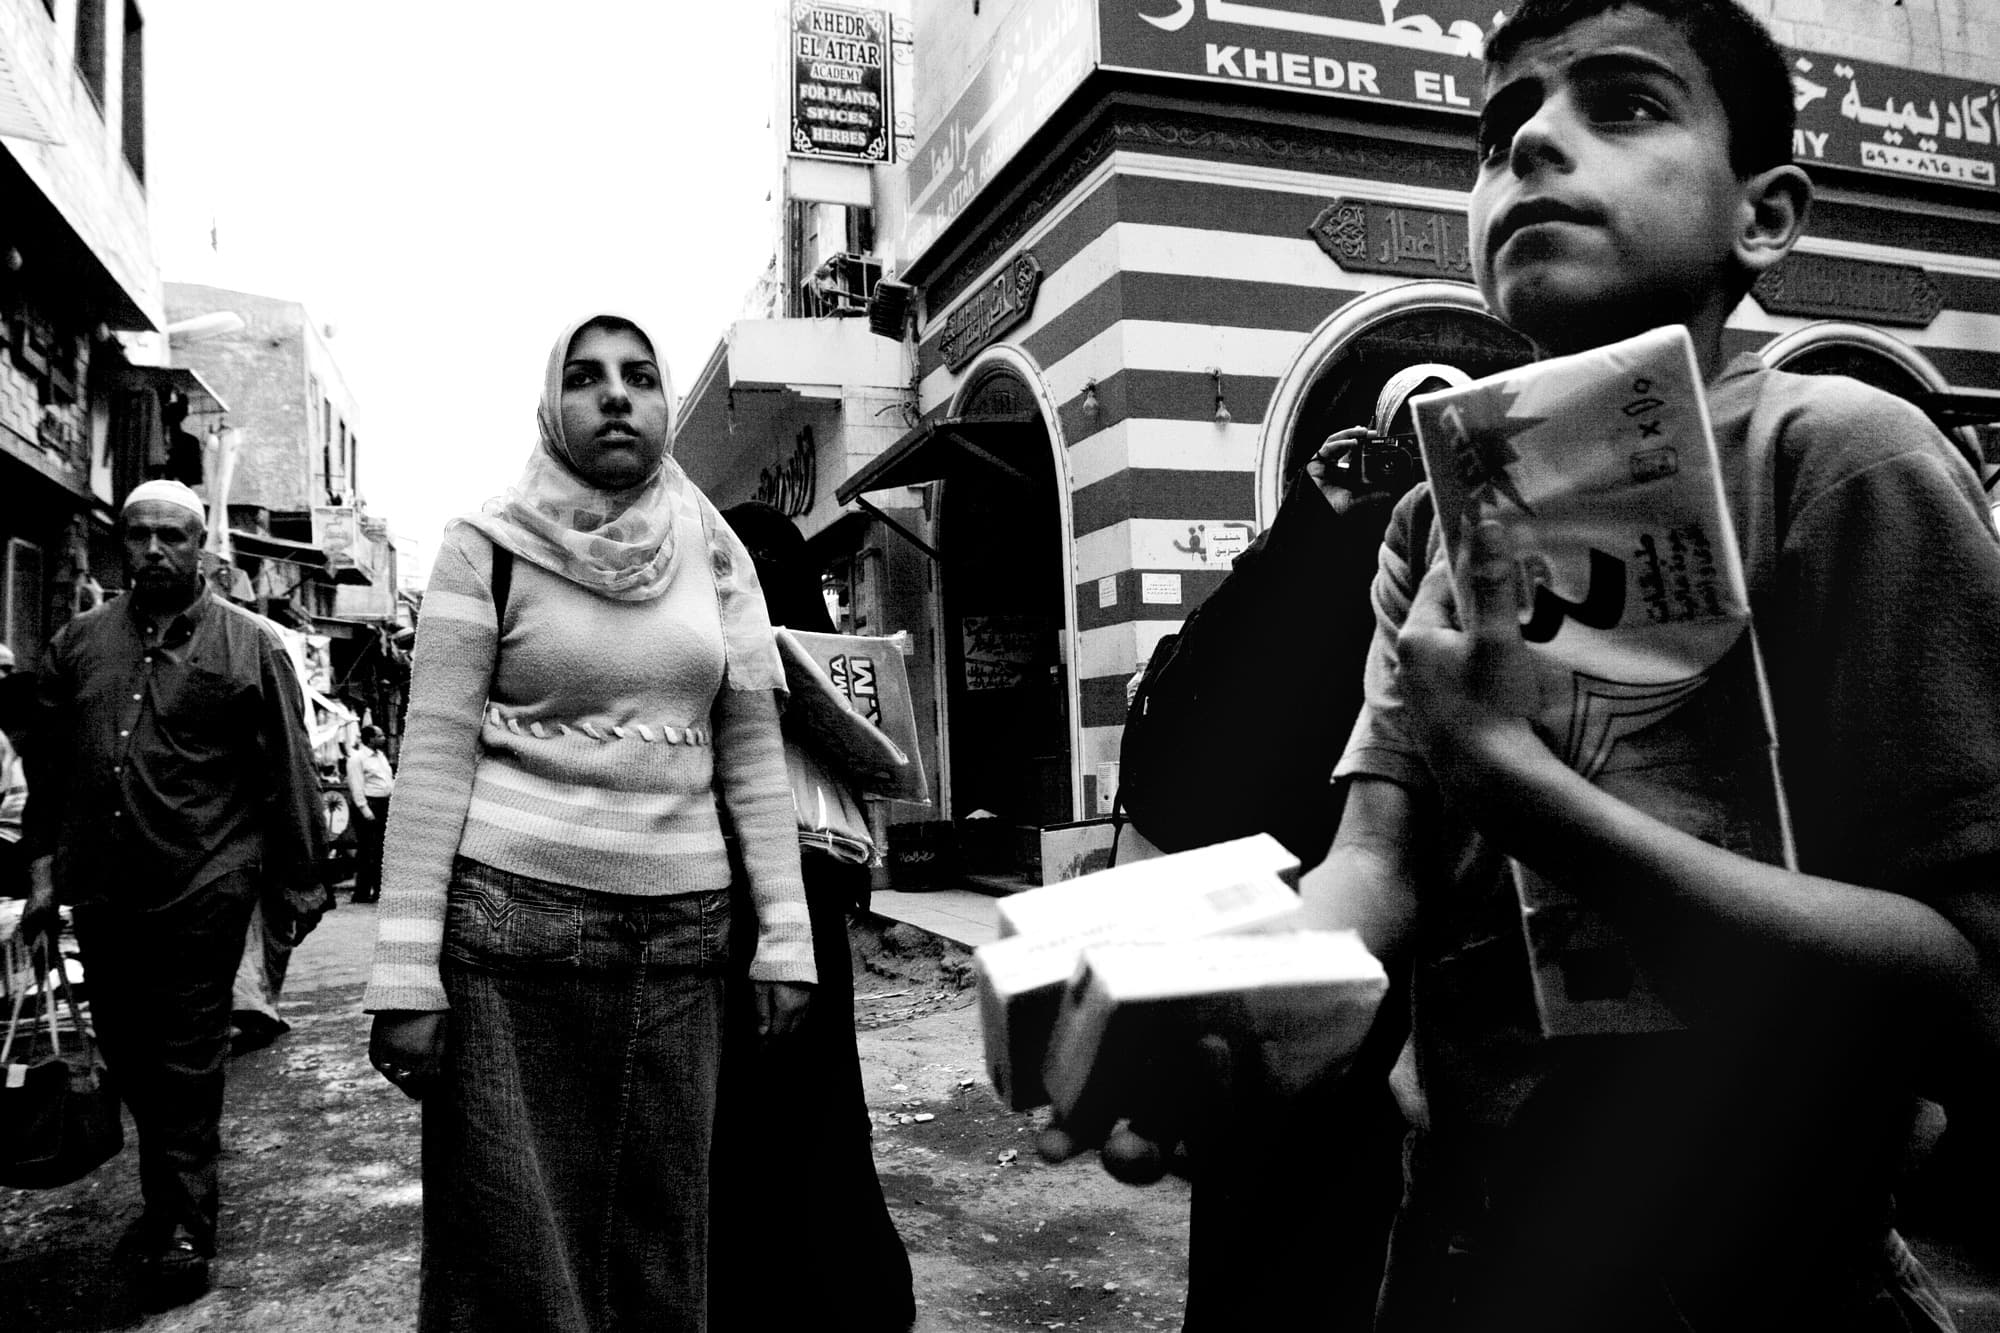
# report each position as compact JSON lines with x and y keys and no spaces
{"x":168,"y":492}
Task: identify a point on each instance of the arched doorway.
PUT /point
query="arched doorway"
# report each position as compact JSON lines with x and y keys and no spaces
{"x":1833,"y":347}
{"x":1007,"y":619}
{"x":1339,"y":373}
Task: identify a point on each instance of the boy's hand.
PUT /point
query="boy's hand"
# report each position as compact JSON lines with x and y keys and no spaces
{"x":1469,"y":681}
{"x":1214,"y":1091}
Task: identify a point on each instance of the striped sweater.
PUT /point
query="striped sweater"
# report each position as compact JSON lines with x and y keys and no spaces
{"x":601,"y":754}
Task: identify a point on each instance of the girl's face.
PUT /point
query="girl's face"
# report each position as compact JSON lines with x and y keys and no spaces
{"x":614,"y":407}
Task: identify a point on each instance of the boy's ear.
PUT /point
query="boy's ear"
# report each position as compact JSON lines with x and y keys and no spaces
{"x":1774,"y":214}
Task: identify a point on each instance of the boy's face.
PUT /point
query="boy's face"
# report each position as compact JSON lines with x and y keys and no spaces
{"x":1606,"y":204}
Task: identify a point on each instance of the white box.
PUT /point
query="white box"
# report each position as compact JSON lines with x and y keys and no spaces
{"x":1134,"y":1012}
{"x":1021,"y":976}
{"x":1155,"y":889}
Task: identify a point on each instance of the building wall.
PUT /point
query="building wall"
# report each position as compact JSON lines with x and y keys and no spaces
{"x":950,"y":42}
{"x":1183,"y":248}
{"x":85,"y":176}
{"x":274,"y":373}
{"x":260,"y":371}
{"x":1956,"y":37}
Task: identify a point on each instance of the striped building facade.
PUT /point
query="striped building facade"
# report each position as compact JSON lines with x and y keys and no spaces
{"x":1173,"y":231}
{"x":1148,"y":290}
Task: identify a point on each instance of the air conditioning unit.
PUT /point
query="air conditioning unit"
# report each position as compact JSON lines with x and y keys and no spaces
{"x":843,"y":284}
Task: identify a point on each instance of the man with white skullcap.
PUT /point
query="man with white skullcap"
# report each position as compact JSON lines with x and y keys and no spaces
{"x":173,"y":787}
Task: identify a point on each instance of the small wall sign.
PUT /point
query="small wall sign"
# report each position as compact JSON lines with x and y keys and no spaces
{"x":1834,"y":287}
{"x":994,"y":308}
{"x":1369,"y":236}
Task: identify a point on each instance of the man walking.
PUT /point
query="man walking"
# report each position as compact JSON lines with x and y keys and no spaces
{"x":171,"y":785}
{"x":370,"y":780}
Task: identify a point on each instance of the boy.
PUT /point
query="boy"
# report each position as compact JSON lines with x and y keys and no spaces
{"x":1635,"y":171}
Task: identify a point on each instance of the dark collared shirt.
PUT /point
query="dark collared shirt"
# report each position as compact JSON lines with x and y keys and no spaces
{"x":159,"y":767}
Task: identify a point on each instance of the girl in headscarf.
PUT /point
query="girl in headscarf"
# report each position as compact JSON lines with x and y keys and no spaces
{"x":592,"y":709}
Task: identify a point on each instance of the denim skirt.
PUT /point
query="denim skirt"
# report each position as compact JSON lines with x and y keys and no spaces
{"x":566,"y":1150}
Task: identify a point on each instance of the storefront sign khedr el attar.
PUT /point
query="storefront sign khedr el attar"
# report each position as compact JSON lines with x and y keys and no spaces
{"x":1834,"y":287}
{"x":1882,"y":119}
{"x":1368,"y":236}
{"x":1415,"y":52}
{"x":993,"y":308}
{"x":840,"y":83}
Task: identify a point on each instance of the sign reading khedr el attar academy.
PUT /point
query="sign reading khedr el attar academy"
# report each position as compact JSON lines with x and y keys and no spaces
{"x":1855,"y":114}
{"x":840,"y":83}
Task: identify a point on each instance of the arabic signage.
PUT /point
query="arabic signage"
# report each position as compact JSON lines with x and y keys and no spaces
{"x":1038,"y":58}
{"x":1832,"y":287}
{"x":792,"y":486}
{"x":994,"y":308}
{"x":336,"y":530}
{"x":1427,"y":56}
{"x":1893,"y":121}
{"x":840,"y":83}
{"x":1366,"y":236}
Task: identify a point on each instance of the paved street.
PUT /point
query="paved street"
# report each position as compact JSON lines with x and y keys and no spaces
{"x":322,"y":1202}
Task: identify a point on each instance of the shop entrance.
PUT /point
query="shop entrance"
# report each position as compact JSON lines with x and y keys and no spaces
{"x":1004,"y":597}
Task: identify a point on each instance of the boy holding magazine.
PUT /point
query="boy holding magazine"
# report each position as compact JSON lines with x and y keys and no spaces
{"x":1635,"y":171}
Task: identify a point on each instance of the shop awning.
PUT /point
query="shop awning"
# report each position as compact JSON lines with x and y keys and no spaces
{"x":185,"y":379}
{"x":940,"y":450}
{"x":304,"y":554}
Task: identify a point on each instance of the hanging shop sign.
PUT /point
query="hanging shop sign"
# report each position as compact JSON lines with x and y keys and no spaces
{"x":1038,"y":58}
{"x":336,"y":530}
{"x":992,"y":309}
{"x":1369,"y":236}
{"x":840,"y":83}
{"x":1427,"y":56}
{"x":1833,"y":287}
{"x":1894,"y":121}
{"x":791,"y":486}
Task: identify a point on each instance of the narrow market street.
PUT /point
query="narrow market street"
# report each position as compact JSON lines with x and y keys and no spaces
{"x":322,"y":1205}
{"x":321,"y":1200}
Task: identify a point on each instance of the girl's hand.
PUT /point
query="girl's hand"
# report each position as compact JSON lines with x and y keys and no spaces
{"x":781,"y":1006}
{"x":1468,"y":679}
{"x":406,"y":1047}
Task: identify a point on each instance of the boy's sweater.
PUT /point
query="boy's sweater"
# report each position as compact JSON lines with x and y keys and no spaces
{"x":599,"y":755}
{"x":1878,"y":604}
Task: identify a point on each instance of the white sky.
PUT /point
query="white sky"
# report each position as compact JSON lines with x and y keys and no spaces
{"x":448,"y":182}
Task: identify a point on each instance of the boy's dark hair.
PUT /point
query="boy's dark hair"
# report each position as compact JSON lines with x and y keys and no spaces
{"x":1746,"y":67}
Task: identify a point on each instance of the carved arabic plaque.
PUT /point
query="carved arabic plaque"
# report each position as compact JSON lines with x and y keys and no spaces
{"x":1368,"y":236}
{"x":990,"y":311}
{"x":1832,"y":287}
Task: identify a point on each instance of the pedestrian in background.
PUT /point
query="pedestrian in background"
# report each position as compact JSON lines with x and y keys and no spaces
{"x":370,"y":779}
{"x":794,"y":1121}
{"x":592,"y":705}
{"x":171,"y":787}
{"x":15,"y":708}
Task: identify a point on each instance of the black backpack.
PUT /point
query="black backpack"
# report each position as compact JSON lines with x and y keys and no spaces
{"x":1240,"y":717}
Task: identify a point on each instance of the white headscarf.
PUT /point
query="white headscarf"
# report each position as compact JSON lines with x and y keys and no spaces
{"x":621,"y":544}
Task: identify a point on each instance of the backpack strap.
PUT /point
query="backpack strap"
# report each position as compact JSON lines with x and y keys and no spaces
{"x":501,"y":582}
